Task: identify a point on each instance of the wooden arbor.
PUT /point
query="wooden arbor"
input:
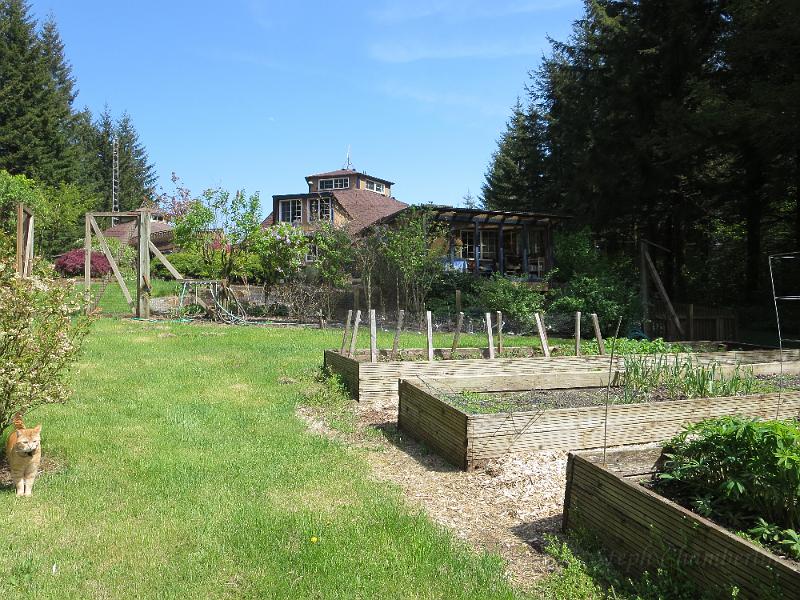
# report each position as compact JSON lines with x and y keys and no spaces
{"x":141,"y":307}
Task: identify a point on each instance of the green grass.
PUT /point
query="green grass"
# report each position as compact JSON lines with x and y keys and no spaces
{"x":183,"y":472}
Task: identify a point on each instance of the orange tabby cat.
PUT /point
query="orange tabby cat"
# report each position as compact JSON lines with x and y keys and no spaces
{"x":24,"y":453}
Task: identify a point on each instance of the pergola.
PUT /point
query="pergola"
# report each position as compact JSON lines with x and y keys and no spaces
{"x":502,"y":222}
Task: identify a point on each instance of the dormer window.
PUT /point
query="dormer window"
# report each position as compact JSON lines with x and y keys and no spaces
{"x":336,"y":183}
{"x":375,"y":186}
{"x":290,"y":211}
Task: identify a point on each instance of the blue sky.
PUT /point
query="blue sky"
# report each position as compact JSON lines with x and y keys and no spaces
{"x":256,"y":94}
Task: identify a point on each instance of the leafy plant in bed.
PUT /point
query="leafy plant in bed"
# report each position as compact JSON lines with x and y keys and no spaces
{"x":741,"y":473}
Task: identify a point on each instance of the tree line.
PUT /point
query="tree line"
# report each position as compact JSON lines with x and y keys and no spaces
{"x":43,"y":136}
{"x":674,"y":121}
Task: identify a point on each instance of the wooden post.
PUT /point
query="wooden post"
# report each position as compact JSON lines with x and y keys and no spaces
{"x":644,"y":293}
{"x":542,"y":334}
{"x":354,"y":338}
{"x":477,"y":268}
{"x":458,"y":300}
{"x":457,"y":334}
{"x":396,"y":343}
{"x":346,"y":330}
{"x":373,"y":337}
{"x":143,"y":283}
{"x":356,"y":294}
{"x":499,"y":331}
{"x":489,"y":334}
{"x":430,"y":334}
{"x":112,"y":261}
{"x":720,"y":332}
{"x":501,"y":250}
{"x":662,"y":290}
{"x":690,"y":318}
{"x":87,"y":263}
{"x":578,"y":333}
{"x":598,"y":335}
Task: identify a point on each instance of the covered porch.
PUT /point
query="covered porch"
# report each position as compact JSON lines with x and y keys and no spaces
{"x":510,"y":243}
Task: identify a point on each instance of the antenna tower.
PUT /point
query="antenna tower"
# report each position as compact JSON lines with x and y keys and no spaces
{"x":348,"y":164}
{"x":114,"y":178}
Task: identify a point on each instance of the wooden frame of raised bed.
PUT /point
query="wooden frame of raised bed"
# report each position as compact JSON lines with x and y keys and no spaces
{"x":470,"y":440}
{"x":641,"y":530}
{"x":377,"y":382}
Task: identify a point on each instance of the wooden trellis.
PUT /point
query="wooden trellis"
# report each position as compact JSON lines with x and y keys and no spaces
{"x":24,"y":261}
{"x":141,"y":306}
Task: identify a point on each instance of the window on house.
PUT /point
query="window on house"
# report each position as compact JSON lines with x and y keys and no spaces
{"x":312,"y":253}
{"x":290,"y":210}
{"x":511,"y":243}
{"x":467,"y":244}
{"x":319,"y":209}
{"x":375,"y":186}
{"x":337,"y":183}
{"x":488,"y":244}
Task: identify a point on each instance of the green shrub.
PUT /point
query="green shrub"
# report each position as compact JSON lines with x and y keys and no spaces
{"x":39,"y":339}
{"x":518,"y":300}
{"x":742,"y":472}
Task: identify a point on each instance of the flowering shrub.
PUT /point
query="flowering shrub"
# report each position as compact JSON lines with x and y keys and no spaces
{"x":71,"y":263}
{"x":39,"y":340}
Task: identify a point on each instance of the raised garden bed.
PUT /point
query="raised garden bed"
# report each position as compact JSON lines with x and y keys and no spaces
{"x":432,"y":411}
{"x":641,"y":530}
{"x":378,"y":382}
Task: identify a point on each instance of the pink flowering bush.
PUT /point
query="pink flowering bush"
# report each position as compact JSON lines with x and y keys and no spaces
{"x":39,"y":339}
{"x":71,"y":263}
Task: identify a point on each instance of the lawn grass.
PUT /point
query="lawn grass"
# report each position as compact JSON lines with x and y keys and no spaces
{"x":182,"y":471}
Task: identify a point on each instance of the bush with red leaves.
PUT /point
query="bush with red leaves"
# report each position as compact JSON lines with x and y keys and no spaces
{"x":71,"y":263}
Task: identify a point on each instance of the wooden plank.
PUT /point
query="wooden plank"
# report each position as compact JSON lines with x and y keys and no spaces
{"x":87,"y":263}
{"x":500,"y":331}
{"x":662,"y":290}
{"x":542,"y":334}
{"x":20,"y":262}
{"x":373,"y":337}
{"x":113,"y":214}
{"x":346,"y":330}
{"x":354,"y":338}
{"x":110,"y":257}
{"x":396,"y":343}
{"x":157,"y":253}
{"x":429,"y":337}
{"x":598,"y":335}
{"x":490,"y":339}
{"x":578,"y":333}
{"x":457,"y":332}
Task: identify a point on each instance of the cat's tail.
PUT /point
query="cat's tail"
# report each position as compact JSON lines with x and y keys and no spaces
{"x":18,"y":423}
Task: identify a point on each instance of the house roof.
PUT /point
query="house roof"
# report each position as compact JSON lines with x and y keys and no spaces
{"x":126,"y":232}
{"x":344,"y":172}
{"x":362,"y":206}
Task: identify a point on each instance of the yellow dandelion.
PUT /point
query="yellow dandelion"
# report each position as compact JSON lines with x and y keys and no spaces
{"x":314,"y":539}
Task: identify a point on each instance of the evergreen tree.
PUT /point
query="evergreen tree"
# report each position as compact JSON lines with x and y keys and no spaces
{"x":136,"y":174}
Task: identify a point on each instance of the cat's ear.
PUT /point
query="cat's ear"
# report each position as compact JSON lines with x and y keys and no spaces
{"x":38,"y":428}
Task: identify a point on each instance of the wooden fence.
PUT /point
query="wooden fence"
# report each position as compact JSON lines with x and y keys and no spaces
{"x":641,"y":530}
{"x":698,"y":323}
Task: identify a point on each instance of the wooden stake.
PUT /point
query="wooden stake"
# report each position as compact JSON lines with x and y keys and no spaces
{"x":164,"y":261}
{"x":143,"y":284}
{"x":662,"y":291}
{"x":458,"y":300}
{"x":396,"y":343}
{"x":489,"y":334}
{"x":354,"y":339}
{"x":457,"y":334}
{"x":499,"y":331}
{"x":691,"y":322}
{"x":578,"y":333}
{"x":601,"y":347}
{"x":542,"y":334}
{"x":373,"y":337}
{"x":346,"y":330}
{"x":430,"y":334}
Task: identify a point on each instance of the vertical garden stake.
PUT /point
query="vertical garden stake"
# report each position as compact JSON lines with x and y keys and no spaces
{"x":489,"y":334}
{"x":354,"y":339}
{"x":396,"y":343}
{"x":430,"y":334}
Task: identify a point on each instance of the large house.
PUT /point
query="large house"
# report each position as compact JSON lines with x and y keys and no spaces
{"x":345,"y":198}
{"x":480,"y":241}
